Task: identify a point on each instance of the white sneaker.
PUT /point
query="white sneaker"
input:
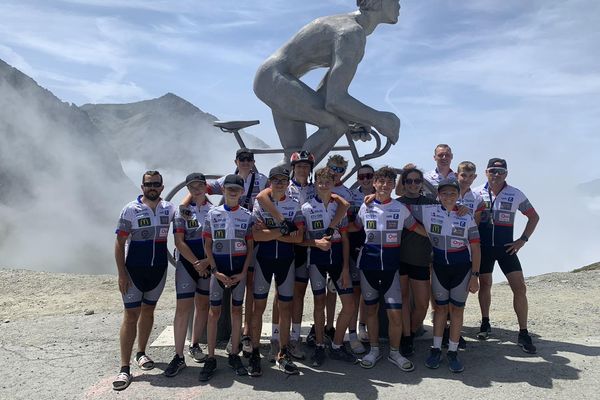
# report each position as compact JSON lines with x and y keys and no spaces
{"x":357,"y":347}
{"x":401,"y":362}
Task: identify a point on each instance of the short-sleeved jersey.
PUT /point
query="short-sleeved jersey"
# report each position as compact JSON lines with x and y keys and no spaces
{"x":348,"y":195}
{"x":191,"y":226}
{"x":260,"y":182}
{"x":229,"y":229}
{"x":317,"y":218}
{"x":415,"y":249}
{"x":498,"y":217}
{"x":451,"y":236}
{"x":383,"y":224}
{"x":473,"y":201}
{"x":300,"y":193}
{"x":290,"y":209}
{"x":434,"y":177}
{"x":147,"y":233}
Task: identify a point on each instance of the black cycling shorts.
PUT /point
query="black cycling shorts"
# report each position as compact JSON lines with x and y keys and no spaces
{"x":507,"y":262}
{"x":416,"y":272}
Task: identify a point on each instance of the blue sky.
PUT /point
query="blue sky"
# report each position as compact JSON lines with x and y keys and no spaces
{"x":517,"y":79}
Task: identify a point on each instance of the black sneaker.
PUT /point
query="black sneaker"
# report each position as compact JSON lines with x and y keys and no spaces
{"x":342,"y":354}
{"x":446,"y":338}
{"x":454,"y":363}
{"x":254,"y":368}
{"x":407,"y":347}
{"x":235,"y":362}
{"x":462,"y":343}
{"x":484,"y":331}
{"x":310,"y":339}
{"x":286,"y":365}
{"x":246,"y":345}
{"x":318,"y":357}
{"x":526,"y":343}
{"x":208,"y":370}
{"x":176,"y":365}
{"x":330,"y":333}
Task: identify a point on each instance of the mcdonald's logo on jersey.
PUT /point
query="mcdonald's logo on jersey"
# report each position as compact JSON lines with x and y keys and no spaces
{"x":192,"y":223}
{"x":219,"y":234}
{"x":144,"y":222}
{"x":318,"y":224}
{"x":371,"y":224}
{"x":436,"y":229}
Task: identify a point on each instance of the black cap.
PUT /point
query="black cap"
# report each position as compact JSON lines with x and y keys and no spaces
{"x":233,"y":180}
{"x":448,"y":183}
{"x":275,"y":171}
{"x":195,"y":177}
{"x":243,"y":150}
{"x":497,"y":162}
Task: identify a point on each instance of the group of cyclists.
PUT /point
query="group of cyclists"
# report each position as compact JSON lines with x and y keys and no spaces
{"x":362,"y":245}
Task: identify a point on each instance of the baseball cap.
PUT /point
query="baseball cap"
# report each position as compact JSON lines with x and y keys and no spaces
{"x":497,"y":162}
{"x":195,"y":177}
{"x":233,"y":180}
{"x":243,"y":150}
{"x":276,"y":171}
{"x":448,"y":183}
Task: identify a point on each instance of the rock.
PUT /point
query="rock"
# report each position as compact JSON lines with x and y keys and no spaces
{"x":88,"y":312}
{"x":6,"y":321}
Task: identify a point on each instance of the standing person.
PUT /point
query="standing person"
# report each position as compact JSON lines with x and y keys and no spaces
{"x":415,"y":260}
{"x":229,"y":246}
{"x":383,"y":221}
{"x":456,"y":261}
{"x":328,"y":255}
{"x":275,"y":257}
{"x":466,"y":173}
{"x":497,"y":228}
{"x":141,"y":258}
{"x":192,"y":273}
{"x":442,"y":155}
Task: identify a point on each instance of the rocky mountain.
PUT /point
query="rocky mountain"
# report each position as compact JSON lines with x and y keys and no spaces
{"x":167,"y":133}
{"x":61,"y":183}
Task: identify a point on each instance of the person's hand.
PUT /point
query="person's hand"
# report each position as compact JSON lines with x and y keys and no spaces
{"x":201,"y":265}
{"x":388,"y":125}
{"x":514,"y":247}
{"x":369,"y":199}
{"x":259,"y":225}
{"x":462,"y":210}
{"x":123,"y":283}
{"x":223,"y":278}
{"x":474,"y":284}
{"x":346,"y":281}
{"x":236,"y":278}
{"x":323,"y":244}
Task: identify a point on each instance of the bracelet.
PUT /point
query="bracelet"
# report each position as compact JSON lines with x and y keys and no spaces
{"x":197,"y":262}
{"x":475,"y":273}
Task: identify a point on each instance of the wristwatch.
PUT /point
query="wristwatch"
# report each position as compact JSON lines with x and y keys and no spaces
{"x":476,"y":273}
{"x":329,"y":231}
{"x":524,"y":237}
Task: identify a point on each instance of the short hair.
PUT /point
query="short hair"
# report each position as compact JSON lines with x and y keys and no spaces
{"x":407,"y":171}
{"x":337,"y":160}
{"x":369,"y":5}
{"x":324,"y":173}
{"x":385,"y":173}
{"x":442,"y":146}
{"x":151,"y":173}
{"x":466,"y":166}
{"x":368,"y":166}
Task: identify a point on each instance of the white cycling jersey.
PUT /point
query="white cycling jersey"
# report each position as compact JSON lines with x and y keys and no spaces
{"x":434,"y":177}
{"x":260,"y":182}
{"x":471,"y":200}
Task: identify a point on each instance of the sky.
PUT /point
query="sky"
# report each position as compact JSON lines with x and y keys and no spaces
{"x":514,"y":79}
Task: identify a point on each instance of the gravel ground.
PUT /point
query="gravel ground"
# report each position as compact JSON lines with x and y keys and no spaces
{"x":50,"y":348}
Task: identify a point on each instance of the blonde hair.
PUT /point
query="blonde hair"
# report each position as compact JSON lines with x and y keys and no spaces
{"x":466,"y":166}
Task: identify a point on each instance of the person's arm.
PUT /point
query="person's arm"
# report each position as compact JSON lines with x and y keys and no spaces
{"x":199,"y":265}
{"x":342,"y":209}
{"x":120,"y":261}
{"x":264,"y":199}
{"x":419,"y":229}
{"x":532,"y":220}
{"x":399,"y":188}
{"x":475,"y":263}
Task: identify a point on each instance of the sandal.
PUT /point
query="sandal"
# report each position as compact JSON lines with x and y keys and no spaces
{"x":122,"y":381}
{"x":144,"y":362}
{"x":370,"y":359}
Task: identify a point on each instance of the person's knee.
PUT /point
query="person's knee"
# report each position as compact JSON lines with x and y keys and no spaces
{"x":320,"y":301}
{"x":131,"y":315}
{"x":202,"y":305}
{"x":214,"y":313}
{"x":348,"y":304}
{"x":395,"y":317}
{"x":456,"y":310}
{"x":183,"y":306}
{"x":285,"y":307}
{"x":237,"y":311}
{"x":485,"y":283}
{"x":259,"y":307}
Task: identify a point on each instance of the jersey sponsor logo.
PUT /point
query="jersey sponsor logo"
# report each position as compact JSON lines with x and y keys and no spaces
{"x":192,"y":223}
{"x":462,"y":223}
{"x":270,"y":222}
{"x":164,"y":220}
{"x":511,"y":199}
{"x":371,"y":237}
{"x":391,"y":225}
{"x":219,"y":234}
{"x":456,"y":243}
{"x":164,"y":232}
{"x":165,"y":212}
{"x":144,"y":222}
{"x":391,"y":237}
{"x":436,"y":241}
{"x":239,"y":246}
{"x":437,"y":221}
{"x":504,"y":217}
{"x":219,"y":246}
{"x":487,"y":204}
{"x":505,"y":206}
{"x":318,"y":224}
{"x":435,"y":228}
{"x":371,"y":224}
{"x":146,"y":234}
{"x":456,"y":231}
{"x":396,"y":216}
{"x":240,"y":233}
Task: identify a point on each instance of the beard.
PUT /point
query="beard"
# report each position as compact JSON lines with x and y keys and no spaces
{"x":152,"y":195}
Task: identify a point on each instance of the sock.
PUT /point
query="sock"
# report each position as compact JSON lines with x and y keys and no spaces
{"x":352,"y":336}
{"x":393,"y":349}
{"x":485,"y":319}
{"x":452,"y":346}
{"x":335,"y":346}
{"x":437,"y":342}
{"x":320,"y":345}
{"x":275,"y":331}
{"x":295,"y":335}
{"x":126,"y":369}
{"x":375,"y":349}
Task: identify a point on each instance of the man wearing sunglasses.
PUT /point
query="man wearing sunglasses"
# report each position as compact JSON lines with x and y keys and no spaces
{"x":141,"y":258}
{"x":502,"y":202}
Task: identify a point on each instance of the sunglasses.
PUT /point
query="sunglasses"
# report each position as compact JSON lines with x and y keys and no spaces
{"x":337,"y":170}
{"x":368,"y":175}
{"x":152,"y":184}
{"x":416,"y":181}
{"x":279,"y":181}
{"x":245,"y":158}
{"x":497,"y":171}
